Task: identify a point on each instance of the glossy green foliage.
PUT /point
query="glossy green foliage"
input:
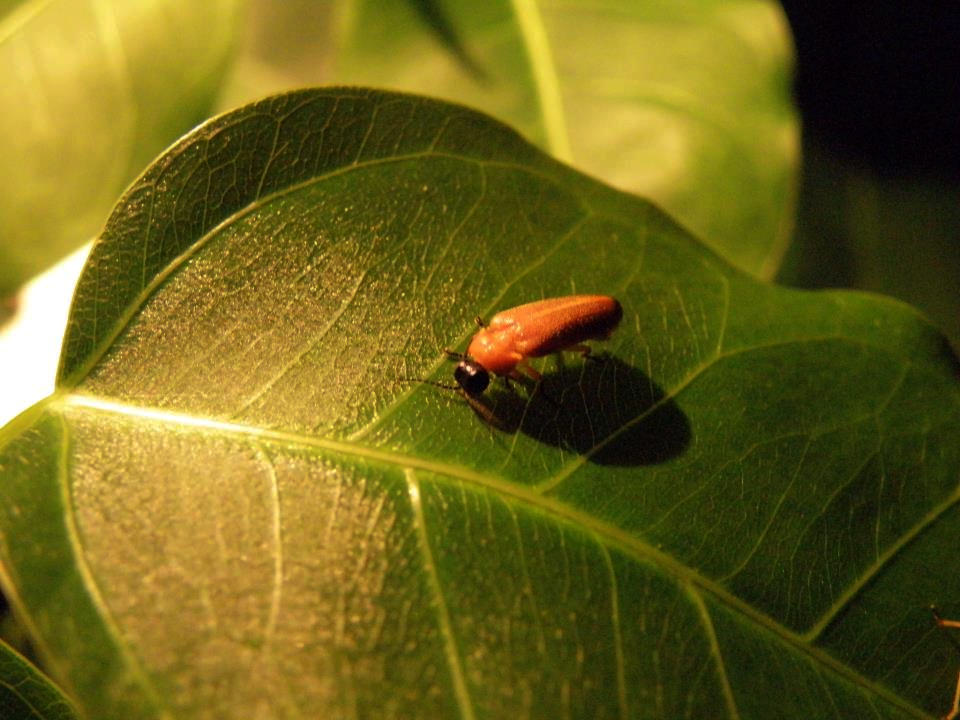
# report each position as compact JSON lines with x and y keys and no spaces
{"x":236,"y":506}
{"x":91,"y":91}
{"x":26,"y":694}
{"x":685,"y":102}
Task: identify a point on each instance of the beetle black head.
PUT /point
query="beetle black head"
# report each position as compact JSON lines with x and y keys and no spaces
{"x":471,"y":376}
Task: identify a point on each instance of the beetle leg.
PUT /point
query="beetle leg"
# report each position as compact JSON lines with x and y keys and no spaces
{"x":944,"y":623}
{"x":955,"y":708}
{"x":479,"y":321}
{"x":529,"y":370}
{"x":584,"y":350}
{"x":454,"y":355}
{"x":536,"y":376}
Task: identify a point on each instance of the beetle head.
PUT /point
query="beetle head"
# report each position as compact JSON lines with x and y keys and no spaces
{"x":471,"y":376}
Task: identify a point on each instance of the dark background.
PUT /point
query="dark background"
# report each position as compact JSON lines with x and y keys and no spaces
{"x":877,"y":82}
{"x":879,"y":204}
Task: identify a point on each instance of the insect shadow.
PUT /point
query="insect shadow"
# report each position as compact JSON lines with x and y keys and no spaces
{"x":602,"y":408}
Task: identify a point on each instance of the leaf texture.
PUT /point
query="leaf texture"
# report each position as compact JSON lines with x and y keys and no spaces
{"x":27,"y":694}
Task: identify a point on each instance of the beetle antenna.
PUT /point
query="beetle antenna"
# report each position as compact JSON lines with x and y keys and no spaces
{"x":944,"y":624}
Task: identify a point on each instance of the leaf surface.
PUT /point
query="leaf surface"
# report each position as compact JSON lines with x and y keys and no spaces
{"x":686,"y":103}
{"x":235,"y":505}
{"x":90,"y":93}
{"x":26,"y":693}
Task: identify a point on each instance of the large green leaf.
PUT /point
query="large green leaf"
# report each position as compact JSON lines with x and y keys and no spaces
{"x":233,"y":506}
{"x":686,"y":102}
{"x":91,"y":92}
{"x":26,"y":694}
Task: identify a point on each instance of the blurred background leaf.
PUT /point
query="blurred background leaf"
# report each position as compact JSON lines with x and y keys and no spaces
{"x":90,"y":93}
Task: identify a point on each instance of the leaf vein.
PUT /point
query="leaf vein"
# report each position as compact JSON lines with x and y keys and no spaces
{"x":709,"y":630}
{"x":617,"y":631}
{"x":293,"y":362}
{"x":773,"y":516}
{"x":451,"y":650}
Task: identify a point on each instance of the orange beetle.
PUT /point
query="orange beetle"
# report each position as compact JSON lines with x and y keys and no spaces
{"x":533,"y":330}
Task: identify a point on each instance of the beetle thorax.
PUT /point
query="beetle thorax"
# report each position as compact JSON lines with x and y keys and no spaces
{"x":494,"y":349}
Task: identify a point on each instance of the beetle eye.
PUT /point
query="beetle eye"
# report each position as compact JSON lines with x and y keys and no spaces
{"x":471,"y":376}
